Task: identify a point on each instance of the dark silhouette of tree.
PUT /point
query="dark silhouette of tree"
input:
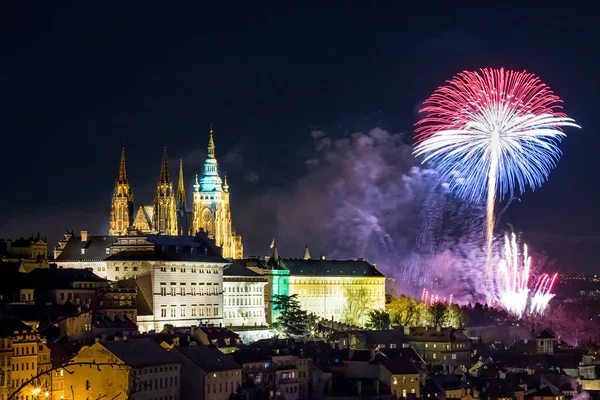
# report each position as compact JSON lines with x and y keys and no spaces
{"x":438,"y":314}
{"x":378,"y":320}
{"x":291,"y":320}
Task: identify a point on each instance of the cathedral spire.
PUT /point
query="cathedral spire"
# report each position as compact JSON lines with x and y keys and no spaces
{"x":306,"y":253}
{"x":181,"y":188}
{"x":122,"y":167}
{"x":211,"y":143}
{"x":164,"y":167}
{"x":225,"y":185}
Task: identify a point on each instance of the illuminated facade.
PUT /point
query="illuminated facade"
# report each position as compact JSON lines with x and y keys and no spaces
{"x":29,"y":253}
{"x":340,"y":290}
{"x":179,"y":279}
{"x":132,"y":369}
{"x":210,"y":211}
{"x":23,"y":354}
{"x":121,"y":212}
{"x":243,"y":297}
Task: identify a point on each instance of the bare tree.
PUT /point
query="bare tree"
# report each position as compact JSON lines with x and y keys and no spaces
{"x":358,"y":304}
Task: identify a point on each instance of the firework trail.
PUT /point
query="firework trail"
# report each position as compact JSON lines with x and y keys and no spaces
{"x":491,"y":133}
{"x":514,"y":275}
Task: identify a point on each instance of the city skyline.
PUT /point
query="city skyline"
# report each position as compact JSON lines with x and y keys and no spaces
{"x":163,"y":86}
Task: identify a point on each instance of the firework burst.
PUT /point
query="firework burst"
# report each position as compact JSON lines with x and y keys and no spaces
{"x":492,"y":133}
{"x":514,"y":275}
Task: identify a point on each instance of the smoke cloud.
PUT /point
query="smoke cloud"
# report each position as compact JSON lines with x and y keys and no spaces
{"x":366,"y":196}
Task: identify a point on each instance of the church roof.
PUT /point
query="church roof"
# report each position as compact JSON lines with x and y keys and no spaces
{"x":95,"y":248}
{"x":354,"y":268}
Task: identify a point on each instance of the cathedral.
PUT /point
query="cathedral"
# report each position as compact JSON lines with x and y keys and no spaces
{"x":168,"y":215}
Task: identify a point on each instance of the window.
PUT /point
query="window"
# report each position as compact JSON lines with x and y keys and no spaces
{"x":163,"y":312}
{"x":183,"y":311}
{"x":163,"y":268}
{"x":163,"y":289}
{"x":108,"y":250}
{"x":173,"y":288}
{"x":454,"y":356}
{"x":173,"y":312}
{"x":182,"y":269}
{"x":82,"y":251}
{"x":434,"y":356}
{"x":182,"y":289}
{"x":87,"y":385}
{"x":193,"y":311}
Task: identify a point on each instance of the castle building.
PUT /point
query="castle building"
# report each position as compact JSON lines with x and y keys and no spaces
{"x":243,"y":298}
{"x":168,"y":215}
{"x":179,"y":279}
{"x":340,"y":290}
{"x":24,"y":255}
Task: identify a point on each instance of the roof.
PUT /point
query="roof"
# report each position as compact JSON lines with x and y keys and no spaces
{"x":95,"y":248}
{"x":140,"y":352}
{"x":400,"y":366}
{"x":105,"y":322}
{"x":209,"y":358}
{"x":419,"y":334}
{"x":166,"y":248}
{"x":10,"y":325}
{"x":175,"y":248}
{"x":237,"y":269}
{"x":354,"y":268}
{"x":545,"y":335}
{"x":58,"y":278}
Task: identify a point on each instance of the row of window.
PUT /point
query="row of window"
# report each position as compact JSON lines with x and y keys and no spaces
{"x":231,"y":386}
{"x":202,"y":311}
{"x":456,"y":346}
{"x":25,"y":350}
{"x":244,"y":314}
{"x":185,"y":269}
{"x":24,"y":366}
{"x":156,"y":383}
{"x":202,"y":290}
{"x":244,"y":301}
{"x":245,"y":289}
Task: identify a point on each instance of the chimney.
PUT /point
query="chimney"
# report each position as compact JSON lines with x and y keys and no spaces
{"x":84,"y":236}
{"x":377,"y":387}
{"x":359,"y":388}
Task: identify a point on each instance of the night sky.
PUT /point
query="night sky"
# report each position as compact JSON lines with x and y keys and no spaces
{"x":79,"y":81}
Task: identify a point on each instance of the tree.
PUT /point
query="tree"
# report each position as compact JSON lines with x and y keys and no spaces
{"x":291,"y":320}
{"x":404,"y":311}
{"x":455,"y":316}
{"x":378,"y":320}
{"x":438,"y":314}
{"x":358,"y":304}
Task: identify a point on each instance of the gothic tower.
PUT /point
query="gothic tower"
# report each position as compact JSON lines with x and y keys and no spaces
{"x":121,"y":212}
{"x":164,"y":217}
{"x":211,"y":212}
{"x":182,"y":214}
